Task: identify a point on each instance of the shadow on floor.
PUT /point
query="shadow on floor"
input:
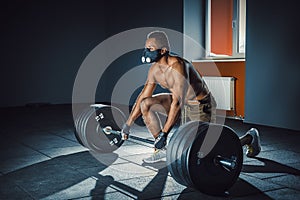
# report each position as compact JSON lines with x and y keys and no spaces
{"x":153,"y":189}
{"x":270,"y":166}
{"x":242,"y":189}
{"x":53,"y":178}
{"x":50,"y":178}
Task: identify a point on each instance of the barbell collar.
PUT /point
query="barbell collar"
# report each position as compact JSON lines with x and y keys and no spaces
{"x":108,"y":130}
{"x":228,"y":163}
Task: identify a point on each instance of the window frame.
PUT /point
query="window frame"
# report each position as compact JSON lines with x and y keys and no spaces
{"x":235,"y":31}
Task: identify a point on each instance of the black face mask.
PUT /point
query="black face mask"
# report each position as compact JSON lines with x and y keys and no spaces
{"x":151,"y":56}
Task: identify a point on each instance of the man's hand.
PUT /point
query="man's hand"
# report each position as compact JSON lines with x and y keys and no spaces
{"x":125,"y":132}
{"x":160,"y":141}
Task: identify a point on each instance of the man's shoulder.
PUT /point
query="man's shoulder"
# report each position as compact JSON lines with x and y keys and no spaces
{"x":154,"y":66}
{"x":177,"y":63}
{"x":174,"y":59}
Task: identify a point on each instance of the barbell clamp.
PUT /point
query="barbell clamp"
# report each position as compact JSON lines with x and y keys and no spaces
{"x":108,"y":130}
{"x":227,"y":163}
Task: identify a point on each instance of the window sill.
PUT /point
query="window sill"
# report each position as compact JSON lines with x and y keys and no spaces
{"x":220,"y":59}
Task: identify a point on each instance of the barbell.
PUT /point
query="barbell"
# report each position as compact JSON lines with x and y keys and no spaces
{"x":213,"y":172}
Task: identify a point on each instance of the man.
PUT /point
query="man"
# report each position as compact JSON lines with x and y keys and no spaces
{"x":187,"y":90}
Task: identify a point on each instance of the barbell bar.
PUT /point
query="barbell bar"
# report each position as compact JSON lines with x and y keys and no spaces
{"x":227,"y":163}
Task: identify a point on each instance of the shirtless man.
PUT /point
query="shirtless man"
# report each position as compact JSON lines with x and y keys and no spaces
{"x":186,"y":87}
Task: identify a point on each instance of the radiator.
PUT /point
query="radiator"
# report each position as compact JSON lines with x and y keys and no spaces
{"x":222,"y":88}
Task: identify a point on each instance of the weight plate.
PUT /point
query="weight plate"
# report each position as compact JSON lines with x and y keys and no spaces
{"x":90,"y":124}
{"x":205,"y":174}
{"x":82,"y":126}
{"x":187,"y":168}
{"x":78,"y":124}
{"x":178,"y":148}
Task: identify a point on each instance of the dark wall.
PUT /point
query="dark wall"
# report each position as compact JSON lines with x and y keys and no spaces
{"x":43,"y":43}
{"x":194,"y":27}
{"x":272,"y":64}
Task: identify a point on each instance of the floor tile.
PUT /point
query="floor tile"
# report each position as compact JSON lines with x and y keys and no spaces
{"x":16,"y":151}
{"x":84,"y":160}
{"x":290,"y":181}
{"x":284,"y":194}
{"x":64,"y":133}
{"x":45,"y":179}
{"x":9,"y":190}
{"x":266,"y":168}
{"x":113,"y":195}
{"x":133,"y":150}
{"x":260,"y":196}
{"x":55,"y":152}
{"x":13,"y":164}
{"x":148,"y":187}
{"x":46,"y":141}
{"x":280,"y":156}
{"x":247,"y":186}
{"x":126,"y":171}
{"x":138,"y":159}
{"x":85,"y":188}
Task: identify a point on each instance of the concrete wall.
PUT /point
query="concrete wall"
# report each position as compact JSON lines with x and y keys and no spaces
{"x":272,"y":64}
{"x":43,"y":43}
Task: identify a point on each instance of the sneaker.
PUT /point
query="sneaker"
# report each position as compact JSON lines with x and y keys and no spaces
{"x":158,"y":155}
{"x":254,"y":148}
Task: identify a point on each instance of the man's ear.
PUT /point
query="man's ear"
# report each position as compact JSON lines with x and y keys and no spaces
{"x":163,"y":50}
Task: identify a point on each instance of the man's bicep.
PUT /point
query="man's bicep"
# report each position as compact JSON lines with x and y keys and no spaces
{"x":150,"y":76}
{"x":148,"y":89}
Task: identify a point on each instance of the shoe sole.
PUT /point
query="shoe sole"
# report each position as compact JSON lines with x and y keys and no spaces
{"x":155,"y":161}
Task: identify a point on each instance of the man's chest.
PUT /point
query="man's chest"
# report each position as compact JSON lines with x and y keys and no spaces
{"x":164,"y":78}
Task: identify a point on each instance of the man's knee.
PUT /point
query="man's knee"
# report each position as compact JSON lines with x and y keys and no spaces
{"x":146,"y":104}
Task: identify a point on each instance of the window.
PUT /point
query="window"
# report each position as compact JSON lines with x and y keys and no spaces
{"x":225,"y":28}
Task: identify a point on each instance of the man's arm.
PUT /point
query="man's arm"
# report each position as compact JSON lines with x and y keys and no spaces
{"x":178,"y":89}
{"x":178,"y":96}
{"x":146,"y":92}
{"x":136,"y":110}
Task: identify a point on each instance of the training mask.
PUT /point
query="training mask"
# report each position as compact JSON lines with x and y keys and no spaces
{"x":151,"y":56}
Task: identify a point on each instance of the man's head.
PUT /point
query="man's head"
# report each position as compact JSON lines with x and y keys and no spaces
{"x":159,"y":40}
{"x":157,"y":45}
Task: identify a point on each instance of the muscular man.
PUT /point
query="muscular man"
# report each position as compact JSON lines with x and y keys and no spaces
{"x":187,"y":89}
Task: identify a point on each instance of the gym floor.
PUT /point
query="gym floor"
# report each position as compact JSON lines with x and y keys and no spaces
{"x":41,"y":159}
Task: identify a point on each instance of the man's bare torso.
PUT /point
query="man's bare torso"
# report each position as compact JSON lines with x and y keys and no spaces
{"x":168,"y":75}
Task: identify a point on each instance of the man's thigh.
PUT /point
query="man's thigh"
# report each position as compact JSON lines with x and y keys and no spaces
{"x":160,"y":103}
